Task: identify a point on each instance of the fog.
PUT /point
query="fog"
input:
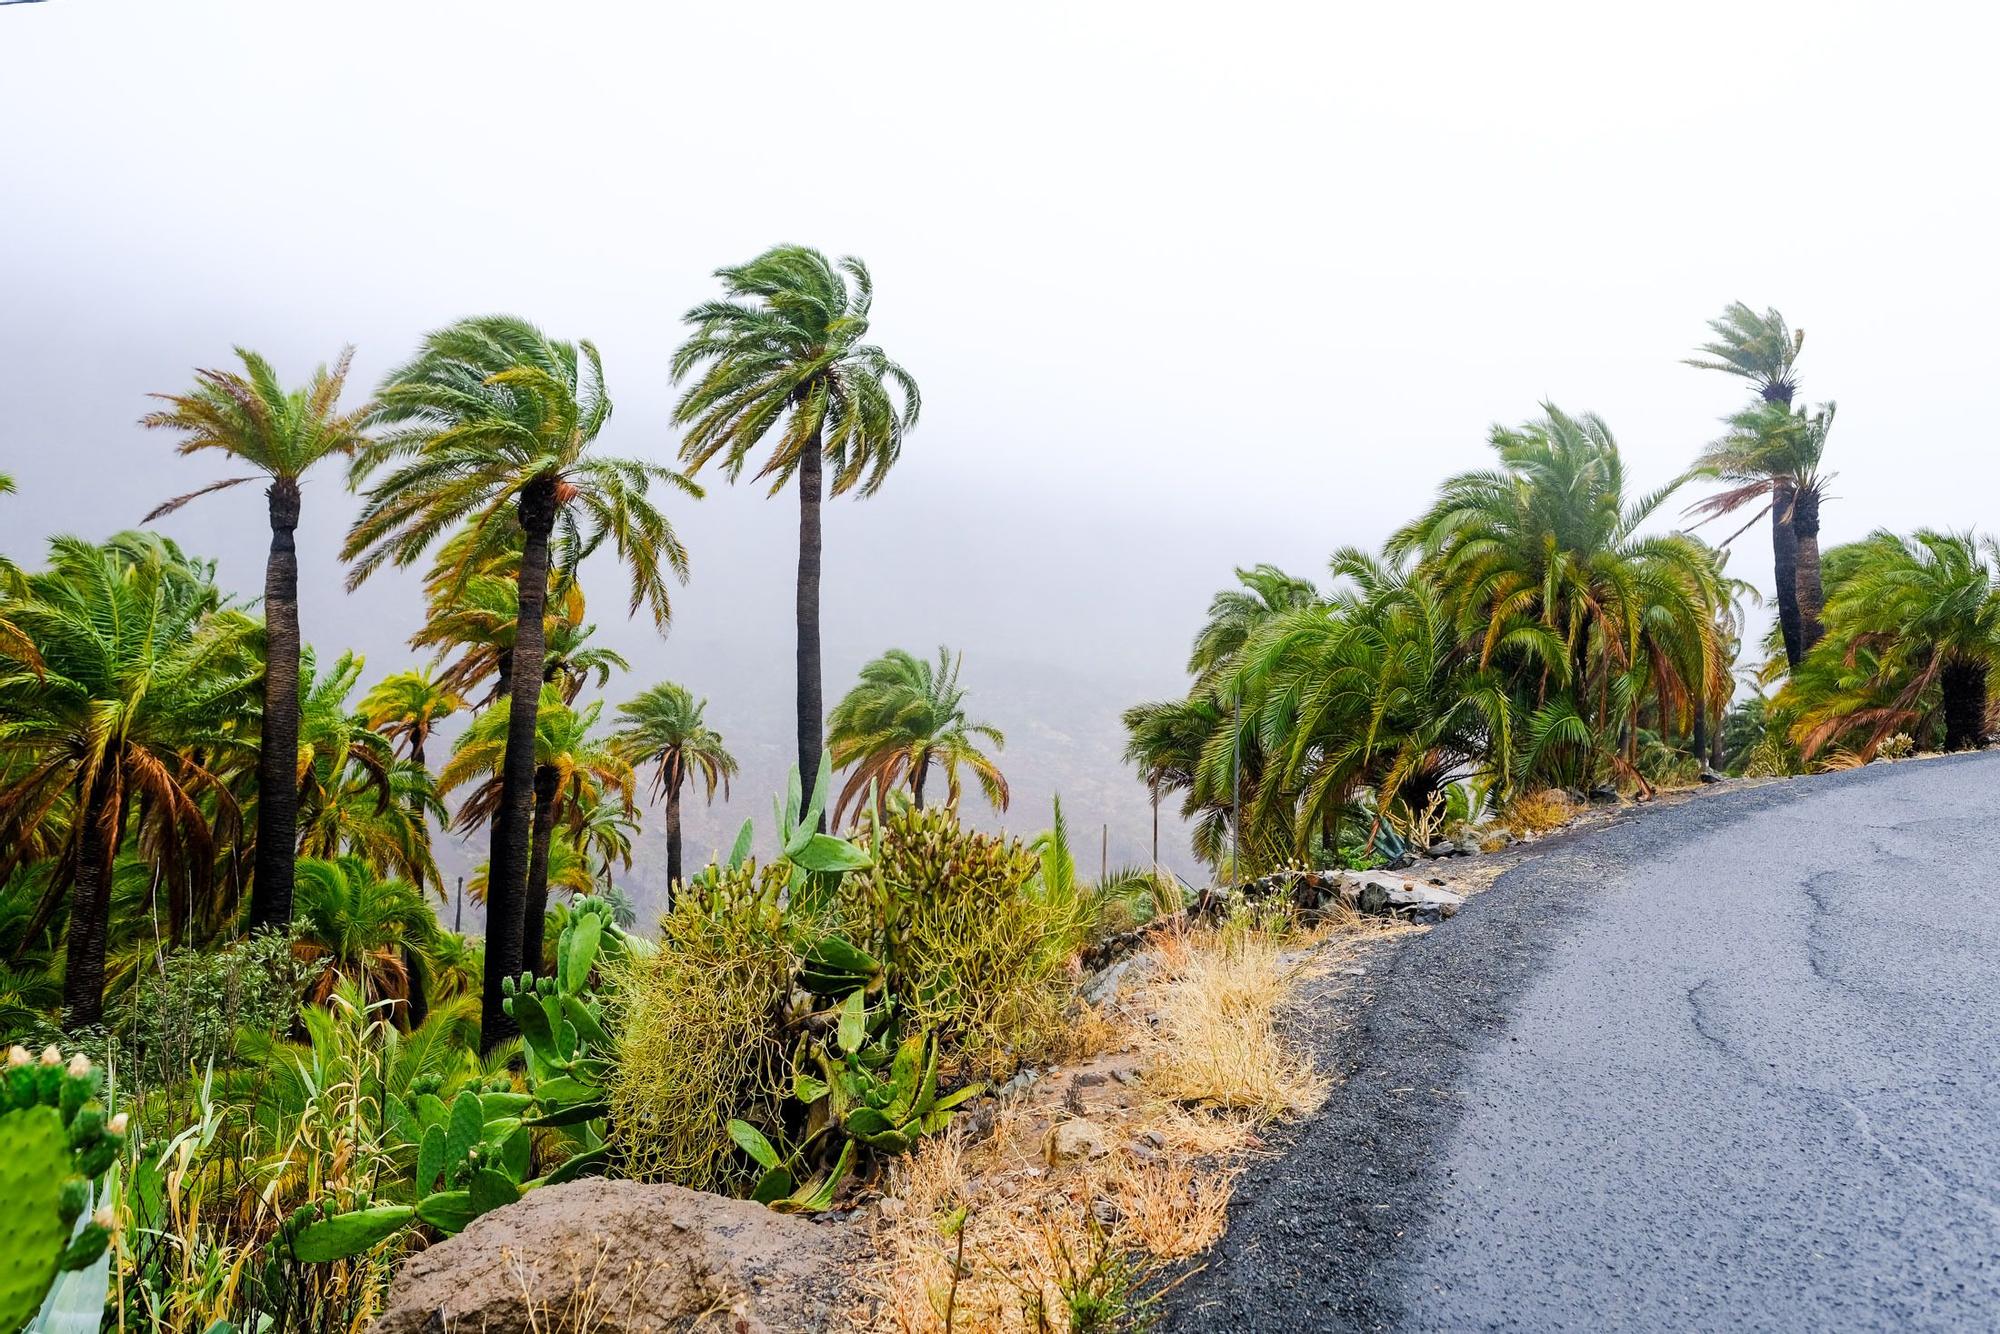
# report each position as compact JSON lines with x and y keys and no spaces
{"x":1185,"y":288}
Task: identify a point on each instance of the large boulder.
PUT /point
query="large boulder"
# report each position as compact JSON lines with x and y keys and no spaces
{"x":618,"y":1257}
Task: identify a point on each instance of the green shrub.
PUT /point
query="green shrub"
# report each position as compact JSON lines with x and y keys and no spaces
{"x":977,"y":950}
{"x":699,"y":1031}
{"x":187,"y":1009}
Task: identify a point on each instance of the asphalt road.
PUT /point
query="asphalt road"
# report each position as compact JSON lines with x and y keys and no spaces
{"x":1729,"y":1065}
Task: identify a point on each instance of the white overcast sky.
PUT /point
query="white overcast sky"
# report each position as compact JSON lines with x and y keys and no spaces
{"x":1185,"y":287}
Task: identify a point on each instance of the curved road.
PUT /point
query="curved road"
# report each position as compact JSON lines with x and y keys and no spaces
{"x":1733,"y":1064}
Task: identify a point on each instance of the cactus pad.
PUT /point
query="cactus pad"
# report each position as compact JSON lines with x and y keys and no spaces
{"x":34,"y":1164}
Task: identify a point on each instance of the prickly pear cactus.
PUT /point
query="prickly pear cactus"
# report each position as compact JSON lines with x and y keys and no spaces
{"x":54,"y":1144}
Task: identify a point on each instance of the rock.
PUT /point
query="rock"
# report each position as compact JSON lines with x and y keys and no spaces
{"x":1709,"y":775}
{"x":1421,"y":903}
{"x":1604,"y":794}
{"x":650,"y":1258}
{"x":1444,"y":847}
{"x":1403,"y":862}
{"x":1153,"y":1139}
{"x":1020,"y":1083}
{"x":1072,"y":1141}
{"x":1104,"y":988}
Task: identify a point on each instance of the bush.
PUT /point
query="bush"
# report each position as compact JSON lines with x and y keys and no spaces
{"x":1537,"y":812}
{"x":700,"y":1029}
{"x":186,"y":1012}
{"x":977,"y":948}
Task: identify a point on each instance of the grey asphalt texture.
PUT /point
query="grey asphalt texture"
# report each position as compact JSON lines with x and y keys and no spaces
{"x":1733,"y":1064}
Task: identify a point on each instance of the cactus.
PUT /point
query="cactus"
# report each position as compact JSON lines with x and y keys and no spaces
{"x":472,"y":1158}
{"x":55,"y":1142}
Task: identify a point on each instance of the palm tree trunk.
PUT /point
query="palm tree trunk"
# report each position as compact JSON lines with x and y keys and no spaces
{"x":1964,"y":705}
{"x":1785,"y":568}
{"x":535,"y":906}
{"x":1698,"y":743}
{"x":673,"y":839}
{"x":90,"y":907}
{"x":807,"y":611}
{"x":918,"y":771}
{"x":278,"y":752}
{"x":1812,"y":597}
{"x":417,"y":1005}
{"x":507,"y":876}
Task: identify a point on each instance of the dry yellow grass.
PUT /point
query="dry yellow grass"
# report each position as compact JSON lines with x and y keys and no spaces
{"x":1538,"y":813}
{"x":1170,"y":1208}
{"x":986,"y":1236}
{"x":1215,"y":1040}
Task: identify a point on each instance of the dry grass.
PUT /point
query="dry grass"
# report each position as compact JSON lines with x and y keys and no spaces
{"x":1171,"y":1208}
{"x":1535,"y":813}
{"x":986,"y":1235}
{"x":1215,"y":1039}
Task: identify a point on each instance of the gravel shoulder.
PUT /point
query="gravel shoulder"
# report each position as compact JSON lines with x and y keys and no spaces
{"x":1325,"y":1234}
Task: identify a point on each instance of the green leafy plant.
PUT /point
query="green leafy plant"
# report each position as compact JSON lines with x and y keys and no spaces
{"x":56,"y":1144}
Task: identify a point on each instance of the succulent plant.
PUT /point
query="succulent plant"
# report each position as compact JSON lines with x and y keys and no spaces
{"x":474,"y":1155}
{"x":55,"y":1144}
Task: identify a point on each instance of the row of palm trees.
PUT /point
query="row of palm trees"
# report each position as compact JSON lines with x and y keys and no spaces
{"x":480,"y":453}
{"x":1525,"y":631}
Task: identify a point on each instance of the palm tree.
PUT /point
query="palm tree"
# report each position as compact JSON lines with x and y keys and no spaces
{"x":664,"y":727}
{"x":281,"y":434}
{"x":573,"y":772}
{"x":469,"y":622}
{"x":1555,"y":585}
{"x":1771,"y":454}
{"x":785,"y":346}
{"x":147,"y":677}
{"x":904,"y":716}
{"x":1236,"y":613}
{"x":355,"y":796}
{"x":1764,"y":350}
{"x":1166,"y":740}
{"x":366,"y":931}
{"x":1914,"y":633}
{"x":406,"y":707}
{"x":491,"y":426}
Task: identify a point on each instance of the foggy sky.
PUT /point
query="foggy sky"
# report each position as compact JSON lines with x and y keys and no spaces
{"x":1185,"y":288}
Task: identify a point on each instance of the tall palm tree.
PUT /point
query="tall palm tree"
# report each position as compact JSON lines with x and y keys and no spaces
{"x":281,"y":434}
{"x":663,"y":727}
{"x":1771,"y":455}
{"x":574,"y":771}
{"x":147,"y":677}
{"x":1764,"y":350}
{"x":902,"y":717}
{"x":492,"y":426}
{"x":784,"y":351}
